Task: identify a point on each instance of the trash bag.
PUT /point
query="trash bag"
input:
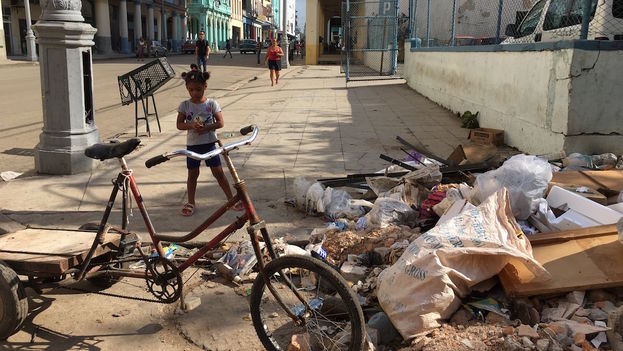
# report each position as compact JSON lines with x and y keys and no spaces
{"x":388,"y":211}
{"x":301,"y":185}
{"x":340,"y":205}
{"x":441,"y":266}
{"x":313,"y":199}
{"x":525,"y":177}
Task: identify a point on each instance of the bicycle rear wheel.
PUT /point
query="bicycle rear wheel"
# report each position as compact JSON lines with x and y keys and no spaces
{"x":335,"y":321}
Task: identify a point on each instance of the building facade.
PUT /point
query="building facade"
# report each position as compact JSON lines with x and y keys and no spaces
{"x":120,"y":23}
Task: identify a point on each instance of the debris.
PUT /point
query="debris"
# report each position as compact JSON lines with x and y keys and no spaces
{"x":388,"y":211}
{"x":191,"y":302}
{"x":385,"y":328}
{"x":9,"y":175}
{"x":573,"y":264}
{"x":487,"y":136}
{"x":416,"y":293}
{"x":121,"y":313}
{"x":582,"y":190}
{"x":527,"y":342}
{"x":581,"y":208}
{"x":526,"y":330}
{"x":461,"y":317}
{"x":525,"y":177}
{"x":353,"y":272}
{"x":542,"y":344}
{"x":599,"y":339}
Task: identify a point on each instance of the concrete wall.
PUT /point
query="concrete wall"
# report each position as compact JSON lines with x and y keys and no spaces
{"x":546,"y":100}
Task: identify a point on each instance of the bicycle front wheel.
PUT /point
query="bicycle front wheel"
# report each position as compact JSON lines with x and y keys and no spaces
{"x":330,"y":318}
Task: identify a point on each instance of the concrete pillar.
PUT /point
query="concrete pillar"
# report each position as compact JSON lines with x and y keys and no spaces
{"x":31,"y":49}
{"x":159,"y":25}
{"x":123,"y":26}
{"x":185,"y":35}
{"x":103,"y":40}
{"x":138,"y":25}
{"x":16,"y":43}
{"x":67,"y":89}
{"x":150,"y":22}
{"x":165,"y":34}
{"x":311,"y":32}
{"x":2,"y":43}
{"x":174,"y":39}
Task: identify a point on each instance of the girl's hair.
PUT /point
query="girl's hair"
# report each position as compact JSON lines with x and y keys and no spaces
{"x":194,"y":75}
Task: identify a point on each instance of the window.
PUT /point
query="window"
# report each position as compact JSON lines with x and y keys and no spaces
{"x":565,"y":13}
{"x":531,"y":20}
{"x":617,"y":8}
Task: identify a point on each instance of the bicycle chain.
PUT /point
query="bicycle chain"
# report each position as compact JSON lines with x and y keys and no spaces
{"x":144,"y":299}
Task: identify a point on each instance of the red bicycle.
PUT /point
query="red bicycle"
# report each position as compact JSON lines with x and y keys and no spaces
{"x":292,"y":295}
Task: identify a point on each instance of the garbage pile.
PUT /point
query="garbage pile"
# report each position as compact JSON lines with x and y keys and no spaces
{"x":461,"y":255}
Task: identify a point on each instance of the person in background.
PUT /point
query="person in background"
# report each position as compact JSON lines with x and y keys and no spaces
{"x":140,"y":49}
{"x":273,"y":57}
{"x":228,"y":49}
{"x":259,"y":50}
{"x":202,"y":51}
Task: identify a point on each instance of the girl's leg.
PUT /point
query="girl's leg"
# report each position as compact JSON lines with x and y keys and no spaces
{"x":277,"y":77}
{"x":218,"y":173}
{"x":191,"y":184}
{"x":272,"y":72}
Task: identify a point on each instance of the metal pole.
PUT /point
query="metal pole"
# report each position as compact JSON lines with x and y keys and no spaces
{"x":285,"y":63}
{"x":414,"y":22}
{"x":454,"y":21}
{"x":428,"y":25}
{"x":383,"y":46}
{"x":162,"y":25}
{"x":31,"y":49}
{"x":395,"y":42}
{"x":347,"y":40}
{"x":497,"y":32}
{"x":586,"y":13}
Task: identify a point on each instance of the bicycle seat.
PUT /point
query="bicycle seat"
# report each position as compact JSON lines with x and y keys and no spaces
{"x":101,"y":151}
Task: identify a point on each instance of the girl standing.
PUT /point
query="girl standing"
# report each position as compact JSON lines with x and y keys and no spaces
{"x":201,"y":117}
{"x":273,"y":56}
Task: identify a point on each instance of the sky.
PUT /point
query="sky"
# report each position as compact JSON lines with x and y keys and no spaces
{"x":300,"y":9}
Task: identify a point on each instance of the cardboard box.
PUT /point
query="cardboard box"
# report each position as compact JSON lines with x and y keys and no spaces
{"x":487,"y":136}
{"x":592,"y":194}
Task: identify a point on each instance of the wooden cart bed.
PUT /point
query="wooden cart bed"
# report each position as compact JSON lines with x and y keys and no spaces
{"x":50,"y":251}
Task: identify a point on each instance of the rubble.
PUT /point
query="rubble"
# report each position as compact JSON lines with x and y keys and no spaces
{"x":559,"y":221}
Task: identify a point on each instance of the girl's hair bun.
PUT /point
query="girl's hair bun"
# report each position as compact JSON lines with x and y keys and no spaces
{"x":196,"y":76}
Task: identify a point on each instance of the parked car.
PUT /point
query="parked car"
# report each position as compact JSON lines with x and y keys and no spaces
{"x":553,"y":20}
{"x":188,"y":47}
{"x":465,"y":40}
{"x":248,"y":45}
{"x":157,"y":49}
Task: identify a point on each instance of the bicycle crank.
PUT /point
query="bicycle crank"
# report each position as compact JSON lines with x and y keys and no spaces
{"x":163,"y":279}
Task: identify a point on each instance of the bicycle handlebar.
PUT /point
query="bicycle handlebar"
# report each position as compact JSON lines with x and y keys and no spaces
{"x":201,"y":157}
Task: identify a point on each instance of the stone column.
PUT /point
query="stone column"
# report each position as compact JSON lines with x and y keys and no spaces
{"x":16,"y":42}
{"x":31,"y":49}
{"x":174,"y":21}
{"x":138,"y":25}
{"x":66,"y":69}
{"x":165,"y":35}
{"x":185,"y":35}
{"x":150,"y":22}
{"x":210,"y":29}
{"x":159,"y":24}
{"x":103,"y":40}
{"x":2,"y":43}
{"x":123,"y":26}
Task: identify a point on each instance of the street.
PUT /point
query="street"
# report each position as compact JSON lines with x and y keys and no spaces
{"x":20,"y":87}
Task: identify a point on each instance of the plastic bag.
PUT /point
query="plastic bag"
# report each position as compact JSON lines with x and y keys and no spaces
{"x":525,"y":177}
{"x":301,"y":185}
{"x":388,"y":211}
{"x":340,"y":205}
{"x":313,"y":199}
{"x":441,"y":266}
{"x":604,"y":161}
{"x":240,"y":258}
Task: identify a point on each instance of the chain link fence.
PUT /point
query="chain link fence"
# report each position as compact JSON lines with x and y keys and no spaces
{"x":485,"y":22}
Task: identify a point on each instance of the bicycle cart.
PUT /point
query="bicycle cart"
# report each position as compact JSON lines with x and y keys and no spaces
{"x":292,"y":297}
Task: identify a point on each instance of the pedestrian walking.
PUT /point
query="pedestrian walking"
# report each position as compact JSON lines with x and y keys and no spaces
{"x":273,"y":57}
{"x":227,"y":49}
{"x":202,"y":51}
{"x":201,"y":117}
{"x":259,"y":50}
{"x":140,"y":49}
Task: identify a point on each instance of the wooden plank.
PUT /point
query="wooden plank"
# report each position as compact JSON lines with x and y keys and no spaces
{"x":50,"y":251}
{"x":610,"y":179}
{"x":549,"y":238}
{"x":586,"y":262}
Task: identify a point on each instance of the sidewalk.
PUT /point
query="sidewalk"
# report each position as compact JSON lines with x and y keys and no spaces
{"x":310,"y":125}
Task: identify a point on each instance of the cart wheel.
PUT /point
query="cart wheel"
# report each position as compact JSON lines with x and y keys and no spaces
{"x":13,"y":302}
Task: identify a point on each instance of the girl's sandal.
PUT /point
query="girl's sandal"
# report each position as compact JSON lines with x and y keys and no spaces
{"x":188,"y":210}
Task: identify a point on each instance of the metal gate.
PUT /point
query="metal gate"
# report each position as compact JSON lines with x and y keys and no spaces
{"x":370,"y":33}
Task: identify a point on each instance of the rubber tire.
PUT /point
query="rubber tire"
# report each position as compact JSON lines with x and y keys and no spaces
{"x":315,"y":265}
{"x":14,"y":308}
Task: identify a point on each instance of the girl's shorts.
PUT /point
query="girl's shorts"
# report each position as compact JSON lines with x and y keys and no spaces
{"x":202,"y":149}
